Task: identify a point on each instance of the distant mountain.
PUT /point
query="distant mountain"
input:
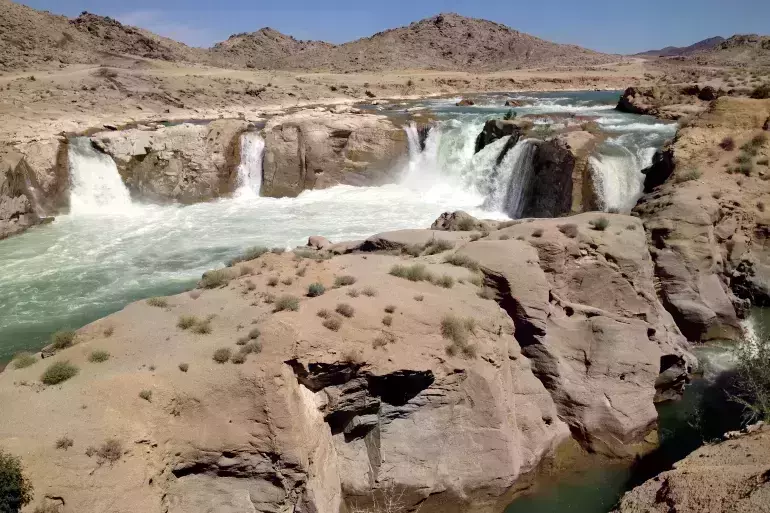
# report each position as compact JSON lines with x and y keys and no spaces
{"x":446,"y":42}
{"x":32,"y":39}
{"x":263,"y":48}
{"x":675,"y":51}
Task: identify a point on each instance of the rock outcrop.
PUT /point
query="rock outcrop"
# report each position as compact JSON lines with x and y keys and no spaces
{"x":315,"y":149}
{"x":562,"y":182}
{"x":726,"y":477}
{"x":495,"y":129}
{"x":185,"y":163}
{"x":16,"y":211}
{"x":567,"y":340}
{"x":672,"y":102}
{"x":706,"y":229}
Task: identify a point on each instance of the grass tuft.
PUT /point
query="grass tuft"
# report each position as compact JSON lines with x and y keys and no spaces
{"x":98,"y":356}
{"x":24,"y":360}
{"x":222,"y":355}
{"x":286,"y":302}
{"x":600,"y":223}
{"x":159,"y":302}
{"x":345,"y":309}
{"x":458,"y":331}
{"x":343,"y":281}
{"x":332,"y":323}
{"x":146,"y":395}
{"x":315,"y":290}
{"x":215,"y":279}
{"x":184,"y":367}
{"x":462,"y":261}
{"x":63,"y":339}
{"x":58,"y":372}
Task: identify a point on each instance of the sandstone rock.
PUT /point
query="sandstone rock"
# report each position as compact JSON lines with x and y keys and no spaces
{"x":185,"y":163}
{"x":460,"y":221}
{"x":318,"y":242}
{"x":514,"y":103}
{"x":465,"y":103}
{"x":314,"y":149}
{"x":664,"y":102}
{"x":16,"y":211}
{"x":45,"y":168}
{"x":400,"y":239}
{"x":724,"y":477}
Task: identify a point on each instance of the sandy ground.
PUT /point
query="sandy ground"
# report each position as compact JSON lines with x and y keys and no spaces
{"x":76,"y":98}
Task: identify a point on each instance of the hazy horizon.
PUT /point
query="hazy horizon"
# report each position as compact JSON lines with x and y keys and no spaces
{"x":598,"y":25}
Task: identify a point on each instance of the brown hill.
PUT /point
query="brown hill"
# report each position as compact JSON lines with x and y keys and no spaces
{"x":445,"y":42}
{"x":32,"y":39}
{"x":672,"y":51}
{"x":739,"y":50}
{"x":263,"y":48}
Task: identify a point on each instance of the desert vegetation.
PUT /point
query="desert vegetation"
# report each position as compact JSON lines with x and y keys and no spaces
{"x":15,"y":488}
{"x":458,"y":331}
{"x":58,"y":372}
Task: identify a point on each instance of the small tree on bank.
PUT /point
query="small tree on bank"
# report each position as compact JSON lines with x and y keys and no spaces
{"x":752,"y":377}
{"x":15,"y":488}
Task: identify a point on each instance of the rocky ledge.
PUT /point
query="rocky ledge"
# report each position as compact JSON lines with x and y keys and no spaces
{"x":436,"y":369}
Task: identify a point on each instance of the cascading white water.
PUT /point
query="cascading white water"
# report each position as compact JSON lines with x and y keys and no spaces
{"x":517,"y":172}
{"x":617,"y":176}
{"x":95,"y":184}
{"x":250,"y":168}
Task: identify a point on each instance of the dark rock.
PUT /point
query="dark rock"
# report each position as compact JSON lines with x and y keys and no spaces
{"x":661,"y":168}
{"x":495,"y":129}
{"x":708,"y":94}
{"x":465,"y":103}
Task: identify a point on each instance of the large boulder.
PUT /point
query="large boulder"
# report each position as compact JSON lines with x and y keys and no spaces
{"x":183,"y":163}
{"x":664,"y":102}
{"x":566,"y":346}
{"x":561,"y":181}
{"x":495,"y":129}
{"x":316,"y":149}
{"x":45,"y":168}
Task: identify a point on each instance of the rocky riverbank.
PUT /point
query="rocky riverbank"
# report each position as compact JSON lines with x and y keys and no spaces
{"x":381,"y":385}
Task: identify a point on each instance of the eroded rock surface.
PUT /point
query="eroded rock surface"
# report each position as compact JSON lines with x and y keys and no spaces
{"x":726,"y":477}
{"x":567,"y":340}
{"x":705,"y":220}
{"x":186,"y":163}
{"x":315,"y":149}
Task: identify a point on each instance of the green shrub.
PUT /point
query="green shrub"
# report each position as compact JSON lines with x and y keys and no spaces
{"x":15,"y":487}
{"x":438,"y":246}
{"x":98,"y":356}
{"x":254,"y":333}
{"x":416,"y":272}
{"x":272,"y":281}
{"x":369,"y":292}
{"x":64,"y":443}
{"x":222,"y":355}
{"x":752,"y":377}
{"x":58,"y":372}
{"x":316,"y":289}
{"x":332,"y":323}
{"x":238,"y":358}
{"x":462,"y":261}
{"x":353,"y":293}
{"x":323,"y":313}
{"x":414,"y":250}
{"x":62,"y":339}
{"x":215,"y":279}
{"x":345,"y":310}
{"x":600,"y":223}
{"x":146,"y":395}
{"x":24,"y":360}
{"x":286,"y":303}
{"x":288,"y":280}
{"x":159,"y":302}
{"x":184,"y":367}
{"x":108,"y":331}
{"x":343,"y":281}
{"x":457,"y":331}
{"x":686,"y":176}
{"x":511,"y":114}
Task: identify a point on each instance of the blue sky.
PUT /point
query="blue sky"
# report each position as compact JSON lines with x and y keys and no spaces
{"x":609,"y":26}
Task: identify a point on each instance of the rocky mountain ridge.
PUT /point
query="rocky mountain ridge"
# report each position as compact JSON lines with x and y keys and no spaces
{"x":673,"y":51}
{"x":35,"y":39}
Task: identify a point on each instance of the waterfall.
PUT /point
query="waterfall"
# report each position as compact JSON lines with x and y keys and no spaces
{"x":518,"y":170}
{"x":95,"y":184}
{"x":617,"y":176}
{"x":250,"y":168}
